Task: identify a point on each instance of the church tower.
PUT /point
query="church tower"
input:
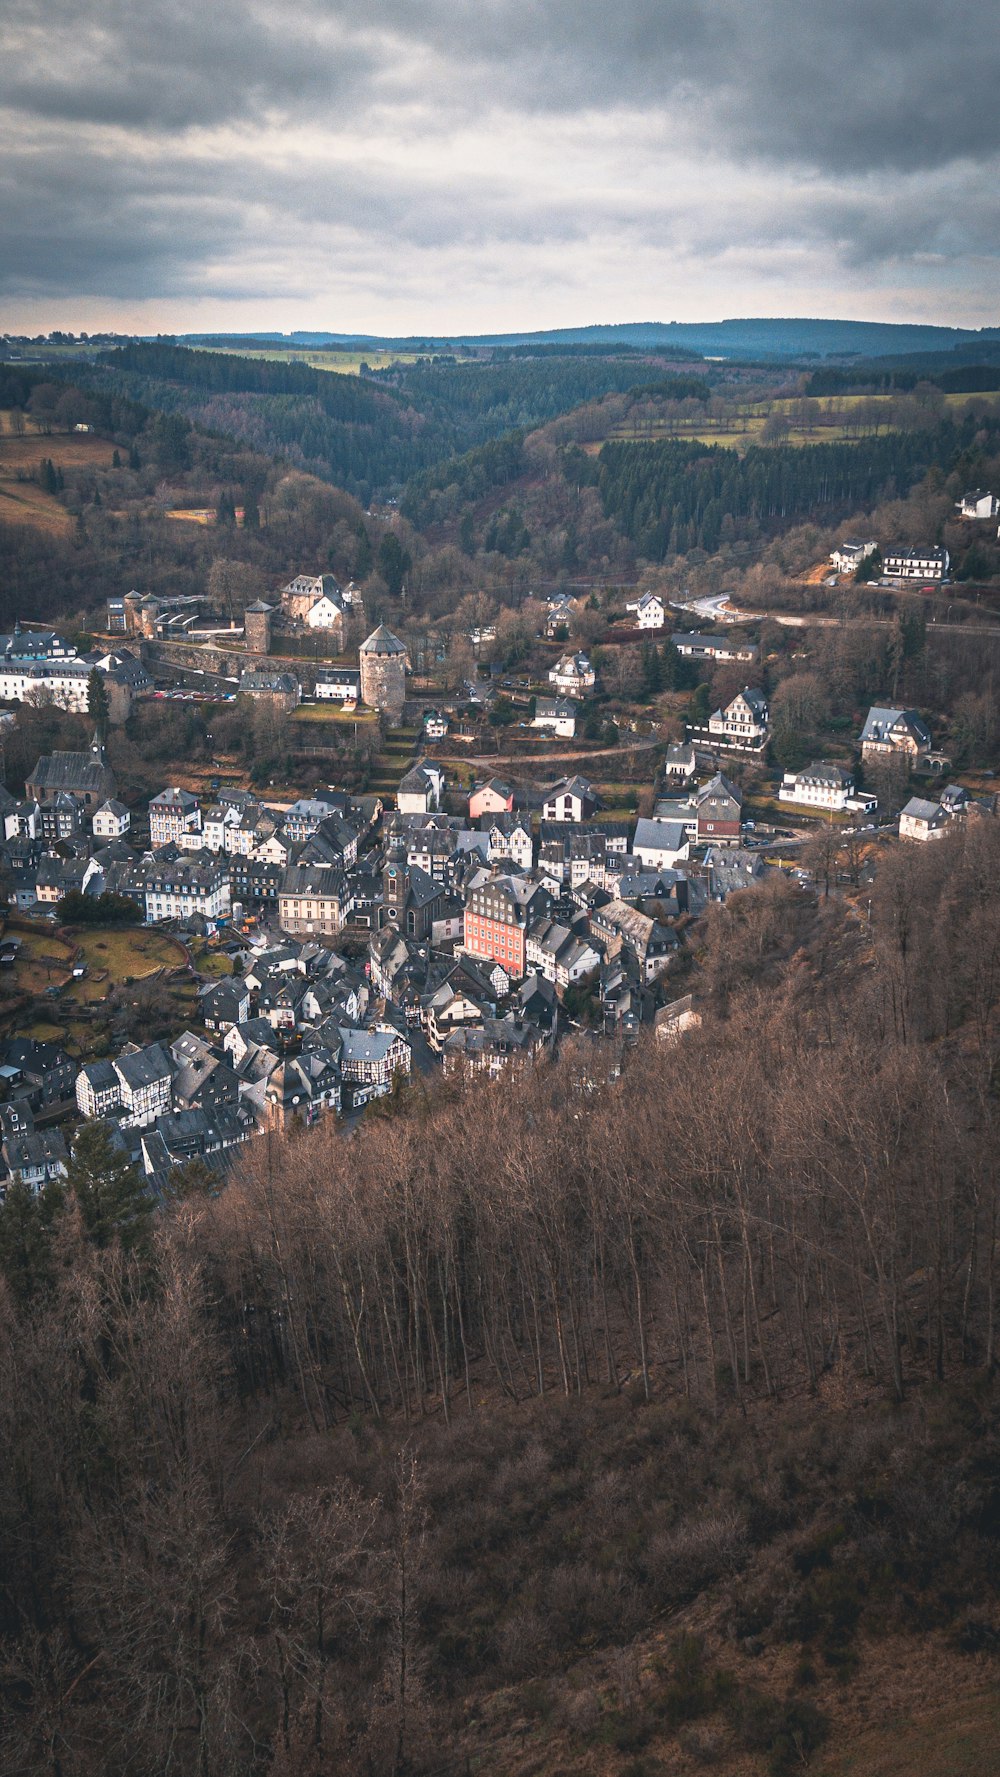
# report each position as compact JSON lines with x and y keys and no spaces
{"x":395,"y":883}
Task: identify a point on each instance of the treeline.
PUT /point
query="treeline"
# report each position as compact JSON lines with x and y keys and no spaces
{"x":672,"y":497}
{"x":963,"y":379}
{"x":342,"y":397}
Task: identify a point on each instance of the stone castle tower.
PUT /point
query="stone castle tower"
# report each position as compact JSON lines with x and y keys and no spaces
{"x":383,"y":673}
{"x":257,"y":626}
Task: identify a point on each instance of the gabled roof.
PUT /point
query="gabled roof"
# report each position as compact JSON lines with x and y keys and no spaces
{"x":719,"y":785}
{"x":881,"y":719}
{"x":144,"y":1067}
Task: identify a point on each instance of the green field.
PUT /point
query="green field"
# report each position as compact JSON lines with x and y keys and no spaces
{"x":340,"y":361}
{"x":738,"y":430}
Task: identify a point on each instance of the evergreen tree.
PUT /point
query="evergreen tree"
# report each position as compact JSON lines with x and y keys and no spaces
{"x":116,"y":461}
{"x":670,"y":667}
{"x":394,"y":563}
{"x":98,"y":707}
{"x":108,"y":1189}
{"x":133,"y":458}
{"x":27,"y":1219}
{"x":652,"y":670}
{"x":363,"y":556}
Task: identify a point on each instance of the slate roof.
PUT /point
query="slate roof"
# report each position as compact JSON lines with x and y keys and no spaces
{"x":145,"y":1067}
{"x":382,"y":641}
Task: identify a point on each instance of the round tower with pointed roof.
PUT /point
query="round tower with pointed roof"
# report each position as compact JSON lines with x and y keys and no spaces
{"x":383,"y":673}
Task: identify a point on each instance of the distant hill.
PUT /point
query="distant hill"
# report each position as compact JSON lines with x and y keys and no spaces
{"x":765,"y":338}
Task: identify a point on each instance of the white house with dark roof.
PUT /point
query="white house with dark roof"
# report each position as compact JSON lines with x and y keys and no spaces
{"x":370,"y":1060}
{"x":172,"y":813}
{"x":848,"y":556}
{"x":659,"y":845}
{"x":901,"y":562}
{"x":555,"y":715}
{"x":977,"y":503}
{"x":338,"y":684}
{"x":571,"y":799}
{"x":573,"y":675}
{"x":743,"y":724}
{"x":112,"y":820}
{"x":923,"y":820}
{"x":890,"y":731}
{"x":825,"y":786}
{"x":421,"y":789}
{"x":650,"y":611}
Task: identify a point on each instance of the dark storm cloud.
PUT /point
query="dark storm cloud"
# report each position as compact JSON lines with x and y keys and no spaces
{"x":841,"y":84}
{"x":174,"y":146}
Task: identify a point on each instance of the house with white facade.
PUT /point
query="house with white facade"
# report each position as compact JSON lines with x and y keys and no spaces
{"x":185,"y":888}
{"x":693,"y":646}
{"x":555,"y":715}
{"x":145,"y":1078}
{"x":897,"y":732}
{"x":62,"y":683}
{"x":561,"y":955}
{"x":743,"y":724}
{"x":571,"y":799}
{"x":573,"y":675}
{"x":420,"y":791}
{"x":978,"y":504}
{"x":112,"y":820}
{"x":370,"y":1060}
{"x":650,"y":611}
{"x":923,"y":820}
{"x":825,"y":786}
{"x":173,"y":812}
{"x":900,"y":562}
{"x":338,"y":684}
{"x":848,"y":556}
{"x":659,"y":845}
{"x":680,"y":763}
{"x":559,"y":617}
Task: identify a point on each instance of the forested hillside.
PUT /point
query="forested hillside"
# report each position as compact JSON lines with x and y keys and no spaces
{"x":673,"y":497}
{"x":368,"y":435}
{"x":618,"y":1418}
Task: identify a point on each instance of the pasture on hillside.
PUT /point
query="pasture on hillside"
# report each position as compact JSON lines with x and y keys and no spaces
{"x":22,"y":500}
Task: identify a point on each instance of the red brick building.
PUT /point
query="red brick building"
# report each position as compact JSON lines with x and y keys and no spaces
{"x":498,"y":911}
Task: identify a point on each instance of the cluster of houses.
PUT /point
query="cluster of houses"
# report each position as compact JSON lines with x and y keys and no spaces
{"x":37,"y":666}
{"x":468,"y":931}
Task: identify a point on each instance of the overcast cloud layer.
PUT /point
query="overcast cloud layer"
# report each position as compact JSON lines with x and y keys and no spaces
{"x":429,"y":165}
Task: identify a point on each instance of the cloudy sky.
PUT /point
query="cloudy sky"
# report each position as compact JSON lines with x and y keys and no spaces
{"x":442,"y":165}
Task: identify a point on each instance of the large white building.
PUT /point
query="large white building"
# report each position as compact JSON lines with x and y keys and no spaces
{"x":59,"y":682}
{"x":926,"y":563}
{"x":184,"y":888}
{"x":825,"y":786}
